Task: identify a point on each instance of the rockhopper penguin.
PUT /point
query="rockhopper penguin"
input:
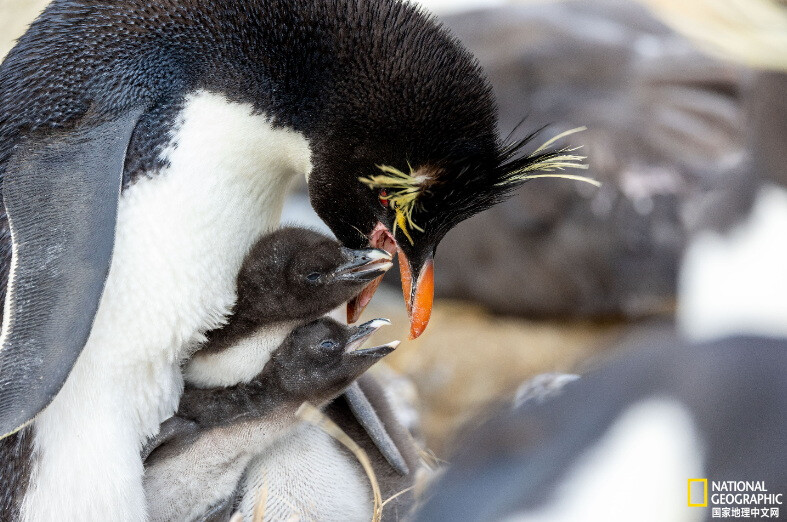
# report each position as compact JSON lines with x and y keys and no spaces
{"x":216,"y":432}
{"x":145,"y":146}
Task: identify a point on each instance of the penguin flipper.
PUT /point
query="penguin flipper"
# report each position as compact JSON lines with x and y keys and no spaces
{"x":173,"y":428}
{"x":224,"y":509}
{"x":219,"y":512}
{"x":364,"y":411}
{"x":60,"y":195}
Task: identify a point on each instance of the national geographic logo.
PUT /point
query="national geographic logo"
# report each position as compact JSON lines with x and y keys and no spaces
{"x":698,"y":492}
{"x":735,"y":498}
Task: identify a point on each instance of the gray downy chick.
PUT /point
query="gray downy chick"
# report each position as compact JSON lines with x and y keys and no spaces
{"x":199,"y":458}
{"x":289,"y":277}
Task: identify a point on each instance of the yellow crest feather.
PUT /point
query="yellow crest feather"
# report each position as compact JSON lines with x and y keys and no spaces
{"x":561,"y":160}
{"x":404,"y":188}
{"x":403,"y":191}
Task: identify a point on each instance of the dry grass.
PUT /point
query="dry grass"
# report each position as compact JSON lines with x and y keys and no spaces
{"x":313,"y":415}
{"x":261,"y":502}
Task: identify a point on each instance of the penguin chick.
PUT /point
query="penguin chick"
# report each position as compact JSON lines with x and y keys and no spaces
{"x":290,"y":276}
{"x":198,"y":462}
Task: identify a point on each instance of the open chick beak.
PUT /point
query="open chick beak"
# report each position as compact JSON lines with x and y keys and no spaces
{"x":356,"y":305}
{"x":364,"y":265}
{"x":418,"y":291}
{"x":362,"y":333}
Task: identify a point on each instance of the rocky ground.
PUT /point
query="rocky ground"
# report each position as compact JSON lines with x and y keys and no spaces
{"x":469,"y":362}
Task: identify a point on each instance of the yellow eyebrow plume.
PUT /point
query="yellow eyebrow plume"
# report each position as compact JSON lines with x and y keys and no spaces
{"x":561,"y":160}
{"x":403,"y":191}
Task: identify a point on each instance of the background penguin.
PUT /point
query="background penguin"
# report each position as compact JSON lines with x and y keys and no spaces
{"x":620,"y":443}
{"x":145,"y":146}
{"x":216,"y":432}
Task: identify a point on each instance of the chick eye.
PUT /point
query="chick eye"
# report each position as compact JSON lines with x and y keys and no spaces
{"x":383,"y":196}
{"x":327,"y":345}
{"x":314,"y":276}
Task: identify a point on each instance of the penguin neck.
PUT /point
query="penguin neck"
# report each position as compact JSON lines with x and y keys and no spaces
{"x":244,"y":402}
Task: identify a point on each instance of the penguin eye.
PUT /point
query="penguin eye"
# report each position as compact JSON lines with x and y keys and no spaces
{"x":327,"y":345}
{"x":383,"y":196}
{"x":314,"y":276}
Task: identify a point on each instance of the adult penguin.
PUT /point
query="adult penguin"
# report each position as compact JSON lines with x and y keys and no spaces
{"x":145,"y":145}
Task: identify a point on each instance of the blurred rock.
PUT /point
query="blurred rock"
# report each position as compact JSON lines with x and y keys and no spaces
{"x":667,"y":138}
{"x":768,"y":133}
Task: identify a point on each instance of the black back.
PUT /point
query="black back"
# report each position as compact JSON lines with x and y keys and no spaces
{"x":368,"y":83}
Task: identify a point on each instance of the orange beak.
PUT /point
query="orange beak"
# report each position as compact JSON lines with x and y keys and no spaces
{"x":418,"y":299}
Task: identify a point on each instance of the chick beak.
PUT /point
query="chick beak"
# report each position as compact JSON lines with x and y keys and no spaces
{"x":356,"y":305}
{"x":418,"y":297}
{"x":362,"y":334}
{"x":364,"y":265}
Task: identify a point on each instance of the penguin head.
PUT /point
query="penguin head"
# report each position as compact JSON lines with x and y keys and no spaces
{"x":299,"y":274}
{"x":318,"y":360}
{"x":407,"y":147}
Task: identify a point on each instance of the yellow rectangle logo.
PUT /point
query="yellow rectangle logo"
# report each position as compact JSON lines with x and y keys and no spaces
{"x":696,"y":495}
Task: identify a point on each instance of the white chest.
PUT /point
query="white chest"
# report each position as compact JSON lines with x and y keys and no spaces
{"x":181,"y":236}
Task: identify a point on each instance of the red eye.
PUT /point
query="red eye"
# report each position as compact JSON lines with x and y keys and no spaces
{"x":383,"y":197}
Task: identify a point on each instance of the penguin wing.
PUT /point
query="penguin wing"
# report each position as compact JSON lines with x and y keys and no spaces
{"x":60,"y":195}
{"x":223,"y":510}
{"x":173,"y":429}
{"x":367,"y":415}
